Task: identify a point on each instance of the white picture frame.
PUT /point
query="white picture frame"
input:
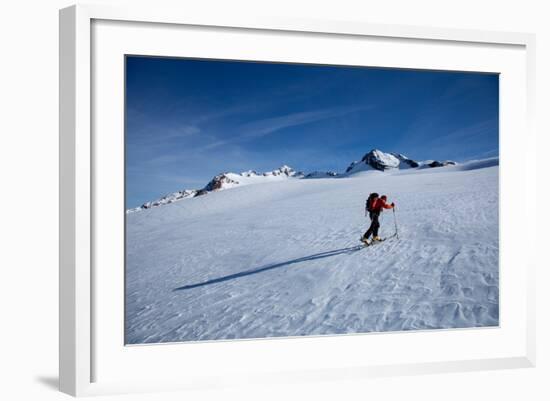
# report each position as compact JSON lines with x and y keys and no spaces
{"x":82,"y":344}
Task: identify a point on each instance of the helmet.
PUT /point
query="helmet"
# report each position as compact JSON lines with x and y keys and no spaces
{"x":384,"y":197}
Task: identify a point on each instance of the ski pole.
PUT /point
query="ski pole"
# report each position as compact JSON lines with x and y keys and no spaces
{"x":395,"y":222}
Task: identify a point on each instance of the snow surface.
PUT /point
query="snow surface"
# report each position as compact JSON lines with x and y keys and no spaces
{"x":281,"y":258}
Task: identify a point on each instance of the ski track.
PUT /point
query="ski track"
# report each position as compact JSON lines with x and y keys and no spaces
{"x":283,"y":259}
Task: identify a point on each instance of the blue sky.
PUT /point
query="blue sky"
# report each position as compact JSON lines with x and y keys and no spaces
{"x":188,"y":120}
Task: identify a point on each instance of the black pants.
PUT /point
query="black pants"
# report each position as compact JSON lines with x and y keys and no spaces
{"x":374,"y":225}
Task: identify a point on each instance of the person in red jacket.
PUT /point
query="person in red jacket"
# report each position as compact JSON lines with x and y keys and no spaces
{"x":375,"y":206}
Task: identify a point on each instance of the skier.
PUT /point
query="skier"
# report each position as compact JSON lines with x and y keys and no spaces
{"x":374,"y":207}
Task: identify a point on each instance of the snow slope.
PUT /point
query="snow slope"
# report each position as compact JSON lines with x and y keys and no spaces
{"x":282,"y":258}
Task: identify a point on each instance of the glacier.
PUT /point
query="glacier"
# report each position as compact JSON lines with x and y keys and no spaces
{"x":282,"y":257}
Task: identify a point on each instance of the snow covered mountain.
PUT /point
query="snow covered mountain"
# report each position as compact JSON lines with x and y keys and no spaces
{"x":378,"y":160}
{"x":373,"y":160}
{"x":170,"y":198}
{"x":224,"y":181}
{"x":282,"y":257}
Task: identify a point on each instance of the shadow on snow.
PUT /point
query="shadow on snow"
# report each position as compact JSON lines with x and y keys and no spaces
{"x":273,"y":266}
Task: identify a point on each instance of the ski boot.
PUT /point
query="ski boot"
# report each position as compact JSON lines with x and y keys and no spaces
{"x":365,"y":241}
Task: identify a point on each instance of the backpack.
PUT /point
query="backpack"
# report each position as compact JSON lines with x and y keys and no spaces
{"x":368,"y":204}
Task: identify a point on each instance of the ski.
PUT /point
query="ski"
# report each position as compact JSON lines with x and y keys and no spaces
{"x":377,"y":241}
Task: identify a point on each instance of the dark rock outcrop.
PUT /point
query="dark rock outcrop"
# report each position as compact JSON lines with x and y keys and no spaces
{"x":404,"y":160}
{"x":321,"y":174}
{"x":436,"y":163}
{"x":218,"y":182}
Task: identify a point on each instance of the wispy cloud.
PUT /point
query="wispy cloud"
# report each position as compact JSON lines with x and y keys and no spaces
{"x":268,"y":126}
{"x":184,"y":120}
{"x":489,"y":153}
{"x":467,"y":133}
{"x":145,"y":131}
{"x":162,"y":135}
{"x":224,"y":112}
{"x":442,"y":142}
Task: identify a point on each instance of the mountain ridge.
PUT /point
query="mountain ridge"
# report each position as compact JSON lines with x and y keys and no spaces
{"x":374,"y":160}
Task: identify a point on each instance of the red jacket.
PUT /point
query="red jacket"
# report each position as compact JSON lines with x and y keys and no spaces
{"x":378,"y":204}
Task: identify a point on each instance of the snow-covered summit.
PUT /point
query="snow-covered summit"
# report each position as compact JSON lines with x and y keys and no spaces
{"x":375,"y":159}
{"x":221,"y":181}
{"x":283,"y":170}
{"x":250,"y":173}
{"x":381,"y":161}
